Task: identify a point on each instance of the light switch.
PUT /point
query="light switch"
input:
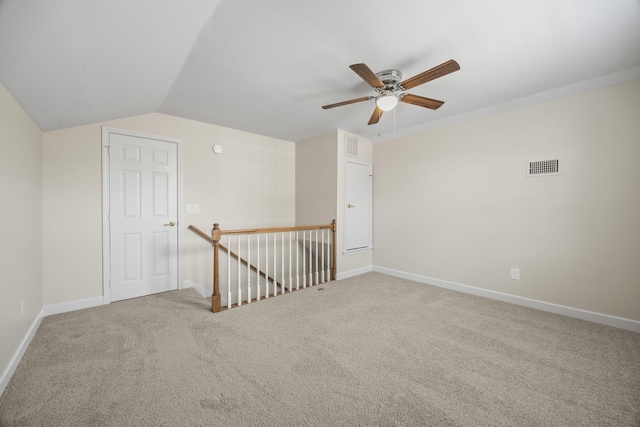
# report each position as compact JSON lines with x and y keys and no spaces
{"x":193,"y":209}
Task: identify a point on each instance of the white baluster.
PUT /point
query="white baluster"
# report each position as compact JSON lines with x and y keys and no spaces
{"x":290,"y":264}
{"x":275,"y":265}
{"x":283,"y":280}
{"x":322,"y":265}
{"x":328,"y":256}
{"x":310,"y":258}
{"x":239,"y":275}
{"x":297,"y":263}
{"x":229,"y":271}
{"x":316,"y":271}
{"x":248,"y":268}
{"x":258,"y":267}
{"x":304,"y":256}
{"x":266,"y":265}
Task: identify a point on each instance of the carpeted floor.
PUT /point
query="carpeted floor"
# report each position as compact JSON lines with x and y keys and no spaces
{"x":371,"y":350}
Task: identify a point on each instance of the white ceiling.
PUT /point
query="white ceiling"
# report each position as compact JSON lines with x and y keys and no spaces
{"x":268,"y":66}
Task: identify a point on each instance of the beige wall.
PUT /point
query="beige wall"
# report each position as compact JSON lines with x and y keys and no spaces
{"x":20,"y":227}
{"x":454,"y":203}
{"x":252,"y":183}
{"x":316,"y":179}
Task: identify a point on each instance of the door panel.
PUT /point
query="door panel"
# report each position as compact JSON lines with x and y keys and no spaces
{"x":160,"y":194}
{"x":131,"y":198}
{"x":160,"y":253}
{"x":143,"y":201}
{"x":132,"y":257}
{"x":357,"y":216}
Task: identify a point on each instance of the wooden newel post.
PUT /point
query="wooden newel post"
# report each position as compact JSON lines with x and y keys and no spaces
{"x":215,"y":298}
{"x":333,"y":255}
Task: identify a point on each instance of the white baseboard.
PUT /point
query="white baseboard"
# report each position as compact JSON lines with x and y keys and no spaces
{"x":591,"y":316}
{"x":17,"y":356}
{"x":355,"y":272}
{"x":202,"y":291}
{"x":45,"y":311}
{"x":73,"y":305}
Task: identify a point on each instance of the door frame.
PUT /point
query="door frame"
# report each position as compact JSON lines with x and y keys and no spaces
{"x":346,"y":251}
{"x":106,"y":230}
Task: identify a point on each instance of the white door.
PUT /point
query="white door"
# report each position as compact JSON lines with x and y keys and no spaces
{"x":357,"y":211}
{"x":143,"y":209}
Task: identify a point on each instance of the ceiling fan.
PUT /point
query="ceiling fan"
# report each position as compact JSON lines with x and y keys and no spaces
{"x":391,"y":87}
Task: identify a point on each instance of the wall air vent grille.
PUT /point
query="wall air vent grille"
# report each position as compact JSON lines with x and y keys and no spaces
{"x":544,"y":167}
{"x":351,"y":145}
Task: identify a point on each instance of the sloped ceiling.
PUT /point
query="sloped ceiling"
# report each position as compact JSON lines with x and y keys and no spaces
{"x":268,"y":66}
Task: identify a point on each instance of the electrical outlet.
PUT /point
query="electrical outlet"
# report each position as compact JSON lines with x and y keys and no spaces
{"x":515,"y":274}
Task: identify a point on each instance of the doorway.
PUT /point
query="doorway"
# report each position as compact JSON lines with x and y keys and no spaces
{"x":140,"y":214}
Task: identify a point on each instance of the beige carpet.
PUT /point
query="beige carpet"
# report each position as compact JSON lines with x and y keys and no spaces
{"x":372,"y":350}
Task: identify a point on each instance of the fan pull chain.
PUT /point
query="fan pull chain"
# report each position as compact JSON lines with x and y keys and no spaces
{"x":394,"y":125}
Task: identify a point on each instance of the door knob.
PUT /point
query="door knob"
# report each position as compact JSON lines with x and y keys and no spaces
{"x":351,"y":206}
{"x":171,"y":224}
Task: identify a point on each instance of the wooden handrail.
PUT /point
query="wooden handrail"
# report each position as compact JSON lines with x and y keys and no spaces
{"x":264,"y":230}
{"x":216,"y":234}
{"x":279,"y":229}
{"x":331,"y":227}
{"x":201,"y":233}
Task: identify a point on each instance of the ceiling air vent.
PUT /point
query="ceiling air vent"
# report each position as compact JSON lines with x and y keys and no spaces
{"x":544,"y":167}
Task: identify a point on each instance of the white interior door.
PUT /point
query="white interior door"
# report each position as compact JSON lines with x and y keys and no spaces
{"x":143,"y":209}
{"x":357,"y":211}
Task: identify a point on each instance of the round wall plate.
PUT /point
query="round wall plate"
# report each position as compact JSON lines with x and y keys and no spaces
{"x":217,"y":149}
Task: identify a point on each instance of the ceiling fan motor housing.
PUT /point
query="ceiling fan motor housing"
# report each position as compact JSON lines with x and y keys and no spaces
{"x":391,"y":79}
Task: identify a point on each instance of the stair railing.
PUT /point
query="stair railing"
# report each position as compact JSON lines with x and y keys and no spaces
{"x":302,"y":256}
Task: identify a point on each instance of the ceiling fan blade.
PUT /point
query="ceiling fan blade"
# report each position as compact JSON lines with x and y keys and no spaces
{"x":421,"y":101}
{"x":367,"y":75}
{"x":351,"y":101}
{"x":441,"y":70}
{"x":375,"y":117}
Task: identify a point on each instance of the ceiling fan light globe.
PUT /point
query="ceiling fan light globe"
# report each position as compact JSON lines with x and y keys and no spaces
{"x":387,"y":102}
